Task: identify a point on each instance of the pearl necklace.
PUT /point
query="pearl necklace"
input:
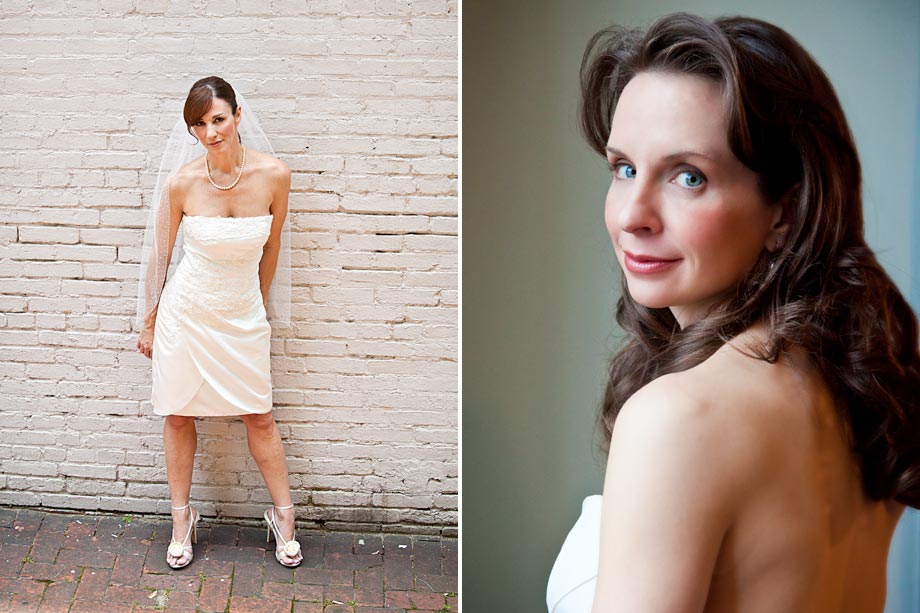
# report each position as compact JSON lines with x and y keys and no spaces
{"x":232,"y":185}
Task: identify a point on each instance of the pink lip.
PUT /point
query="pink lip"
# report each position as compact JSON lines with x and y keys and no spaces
{"x":215,"y":144}
{"x":646,"y":264}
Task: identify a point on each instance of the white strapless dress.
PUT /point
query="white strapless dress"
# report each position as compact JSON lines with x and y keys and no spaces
{"x":212,"y":340}
{"x":570,"y":588}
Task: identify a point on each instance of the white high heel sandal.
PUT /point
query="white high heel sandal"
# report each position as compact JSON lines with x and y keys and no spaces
{"x":180,"y":550}
{"x":289,"y":548}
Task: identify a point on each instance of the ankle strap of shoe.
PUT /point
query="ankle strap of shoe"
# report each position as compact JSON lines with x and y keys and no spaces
{"x":185,"y":506}
{"x":290,"y":506}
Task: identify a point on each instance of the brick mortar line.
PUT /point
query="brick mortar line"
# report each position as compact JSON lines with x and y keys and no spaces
{"x":244,"y":522}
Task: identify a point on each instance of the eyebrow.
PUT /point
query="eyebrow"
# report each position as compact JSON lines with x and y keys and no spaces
{"x":684,"y":153}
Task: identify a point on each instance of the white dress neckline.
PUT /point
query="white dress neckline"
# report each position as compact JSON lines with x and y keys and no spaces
{"x":226,"y":217}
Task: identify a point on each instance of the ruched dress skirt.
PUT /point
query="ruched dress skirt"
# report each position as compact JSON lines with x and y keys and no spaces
{"x":212,"y":339}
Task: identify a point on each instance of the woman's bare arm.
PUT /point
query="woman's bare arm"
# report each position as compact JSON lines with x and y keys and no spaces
{"x":671,"y":490}
{"x":281,"y":188}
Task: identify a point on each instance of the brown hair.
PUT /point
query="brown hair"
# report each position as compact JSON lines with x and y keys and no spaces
{"x":824,"y":291}
{"x":200,"y":97}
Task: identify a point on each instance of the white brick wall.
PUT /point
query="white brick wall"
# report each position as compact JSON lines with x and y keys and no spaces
{"x":359,"y":97}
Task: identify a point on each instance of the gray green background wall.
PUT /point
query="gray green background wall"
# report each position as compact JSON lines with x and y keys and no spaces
{"x":539,"y":275}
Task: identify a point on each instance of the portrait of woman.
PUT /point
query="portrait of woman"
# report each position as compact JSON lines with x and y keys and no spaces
{"x":762,"y":414}
{"x":690,"y":365}
{"x":229,"y":334}
{"x":205,"y":326}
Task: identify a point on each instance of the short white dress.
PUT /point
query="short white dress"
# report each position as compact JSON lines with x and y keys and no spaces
{"x":212,"y":339}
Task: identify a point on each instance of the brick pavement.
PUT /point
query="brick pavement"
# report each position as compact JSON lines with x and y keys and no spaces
{"x":94,"y":563}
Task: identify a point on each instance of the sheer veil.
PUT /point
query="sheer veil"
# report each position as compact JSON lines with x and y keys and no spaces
{"x":155,"y":261}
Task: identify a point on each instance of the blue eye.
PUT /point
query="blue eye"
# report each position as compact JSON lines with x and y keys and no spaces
{"x":690,"y":179}
{"x":622,"y":170}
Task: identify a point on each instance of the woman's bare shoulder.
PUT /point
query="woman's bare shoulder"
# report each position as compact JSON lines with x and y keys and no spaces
{"x":734,"y":378}
{"x":180,"y":184}
{"x":687,"y":414}
{"x":732,"y":401}
{"x":265,"y":161}
{"x":186,"y":177}
{"x":677,"y":475}
{"x":275,"y":172}
{"x":191,"y":169}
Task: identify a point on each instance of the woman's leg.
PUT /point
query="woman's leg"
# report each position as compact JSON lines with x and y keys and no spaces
{"x":268,"y":452}
{"x":180,"y":441}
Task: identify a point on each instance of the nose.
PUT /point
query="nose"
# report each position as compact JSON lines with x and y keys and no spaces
{"x":212,"y":131}
{"x":634,"y":207}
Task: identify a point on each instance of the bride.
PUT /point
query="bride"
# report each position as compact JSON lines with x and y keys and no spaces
{"x":763,"y":416}
{"x":206,"y":327}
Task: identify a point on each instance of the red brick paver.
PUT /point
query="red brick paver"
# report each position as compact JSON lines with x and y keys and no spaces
{"x":101,"y":563}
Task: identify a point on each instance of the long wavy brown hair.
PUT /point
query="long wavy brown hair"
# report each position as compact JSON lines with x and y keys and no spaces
{"x":824,"y":292}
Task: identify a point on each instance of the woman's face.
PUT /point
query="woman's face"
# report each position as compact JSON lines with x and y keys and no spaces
{"x":685,"y":215}
{"x":217,"y":128}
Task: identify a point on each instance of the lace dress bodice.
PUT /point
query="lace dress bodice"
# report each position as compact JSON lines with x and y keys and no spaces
{"x":219,"y":273}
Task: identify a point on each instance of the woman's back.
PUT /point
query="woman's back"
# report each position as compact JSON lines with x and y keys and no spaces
{"x":731,"y":487}
{"x":804,"y":538}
